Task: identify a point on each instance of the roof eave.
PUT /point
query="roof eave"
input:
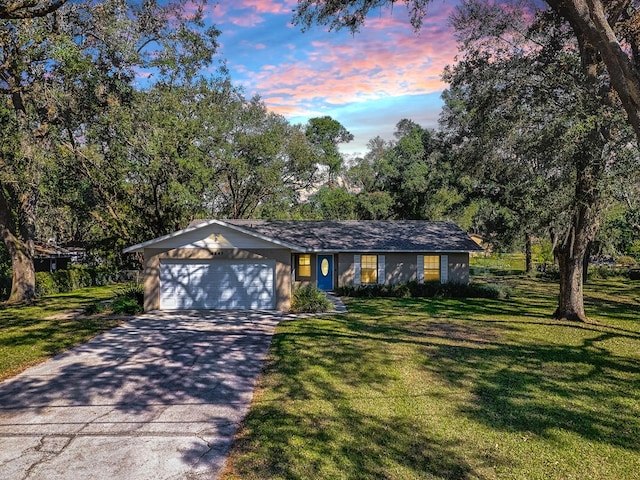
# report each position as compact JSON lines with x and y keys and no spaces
{"x":141,"y":246}
{"x":387,"y":250}
{"x":290,"y":246}
{"x":149,"y":243}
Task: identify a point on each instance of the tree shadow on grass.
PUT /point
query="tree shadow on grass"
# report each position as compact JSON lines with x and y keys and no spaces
{"x":536,"y":308}
{"x":54,"y":336}
{"x":340,"y":442}
{"x":540,"y":388}
{"x":56,"y":303}
{"x":328,"y":408}
{"x":457,"y":308}
{"x":613,"y":310}
{"x":582,"y":378}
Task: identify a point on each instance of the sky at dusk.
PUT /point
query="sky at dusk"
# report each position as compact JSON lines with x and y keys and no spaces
{"x":368,"y":81}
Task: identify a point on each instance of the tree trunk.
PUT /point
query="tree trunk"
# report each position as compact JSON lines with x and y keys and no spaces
{"x":570,"y":299}
{"x":585,"y":263}
{"x":570,"y":252}
{"x":23,"y":285}
{"x":23,"y":280}
{"x":527,"y":253}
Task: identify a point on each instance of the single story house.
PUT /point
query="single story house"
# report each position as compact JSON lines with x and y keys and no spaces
{"x":255,"y":264}
{"x":48,"y":257}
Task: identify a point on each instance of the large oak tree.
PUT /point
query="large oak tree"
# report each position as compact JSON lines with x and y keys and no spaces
{"x":529,"y":127}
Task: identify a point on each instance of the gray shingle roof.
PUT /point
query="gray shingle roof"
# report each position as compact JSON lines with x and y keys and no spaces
{"x":364,"y":236}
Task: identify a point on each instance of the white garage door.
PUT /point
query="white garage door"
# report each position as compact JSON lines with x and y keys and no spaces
{"x":218,"y":284}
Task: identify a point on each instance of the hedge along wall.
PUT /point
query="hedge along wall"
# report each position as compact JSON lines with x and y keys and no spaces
{"x":77,"y":276}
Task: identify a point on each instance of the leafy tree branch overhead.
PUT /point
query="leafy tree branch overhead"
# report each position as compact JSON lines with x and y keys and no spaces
{"x":21,"y":9}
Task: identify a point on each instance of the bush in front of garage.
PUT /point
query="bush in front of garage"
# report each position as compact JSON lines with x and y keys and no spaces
{"x":130,"y":301}
{"x":133,"y":291}
{"x":308,"y":299}
{"x":125,"y":306}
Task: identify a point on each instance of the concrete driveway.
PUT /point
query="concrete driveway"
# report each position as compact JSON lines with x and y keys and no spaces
{"x":157,"y":398}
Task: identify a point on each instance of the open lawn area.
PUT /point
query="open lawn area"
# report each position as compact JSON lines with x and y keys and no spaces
{"x":30,"y":334}
{"x":452,"y":389}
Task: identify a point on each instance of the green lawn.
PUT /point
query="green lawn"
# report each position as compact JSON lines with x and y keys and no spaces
{"x":28,"y":335}
{"x":498,"y":263}
{"x":452,"y":389}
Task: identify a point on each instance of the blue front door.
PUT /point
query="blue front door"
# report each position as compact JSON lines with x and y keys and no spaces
{"x":325,"y":272}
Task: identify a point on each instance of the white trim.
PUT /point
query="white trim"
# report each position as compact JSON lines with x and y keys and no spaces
{"x":149,"y":243}
{"x":381,"y":269}
{"x":357,"y":275}
{"x":420,"y":269}
{"x":444,"y":268}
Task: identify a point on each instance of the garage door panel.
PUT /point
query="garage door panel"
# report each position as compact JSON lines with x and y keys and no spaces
{"x":217,"y":285}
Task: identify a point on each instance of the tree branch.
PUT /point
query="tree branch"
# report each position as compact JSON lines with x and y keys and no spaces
{"x":589,"y":21}
{"x":22,"y":9}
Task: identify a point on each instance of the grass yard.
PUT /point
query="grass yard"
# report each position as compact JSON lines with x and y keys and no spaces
{"x":497,"y":263}
{"x":451,"y":389}
{"x":29,"y":334}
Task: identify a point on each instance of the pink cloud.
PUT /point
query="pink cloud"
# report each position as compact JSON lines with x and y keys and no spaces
{"x":244,"y":20}
{"x":317,"y":70}
{"x":218,"y":12}
{"x":253,"y":46}
{"x":248,"y":13}
{"x":372,"y":65}
{"x":268,"y":6}
{"x":190,"y":8}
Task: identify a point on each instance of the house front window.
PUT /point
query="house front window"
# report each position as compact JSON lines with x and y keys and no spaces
{"x":431,"y":268}
{"x":369,"y":269}
{"x":304,"y":265}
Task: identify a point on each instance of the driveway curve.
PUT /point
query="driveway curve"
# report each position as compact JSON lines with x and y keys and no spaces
{"x":159,"y":397}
